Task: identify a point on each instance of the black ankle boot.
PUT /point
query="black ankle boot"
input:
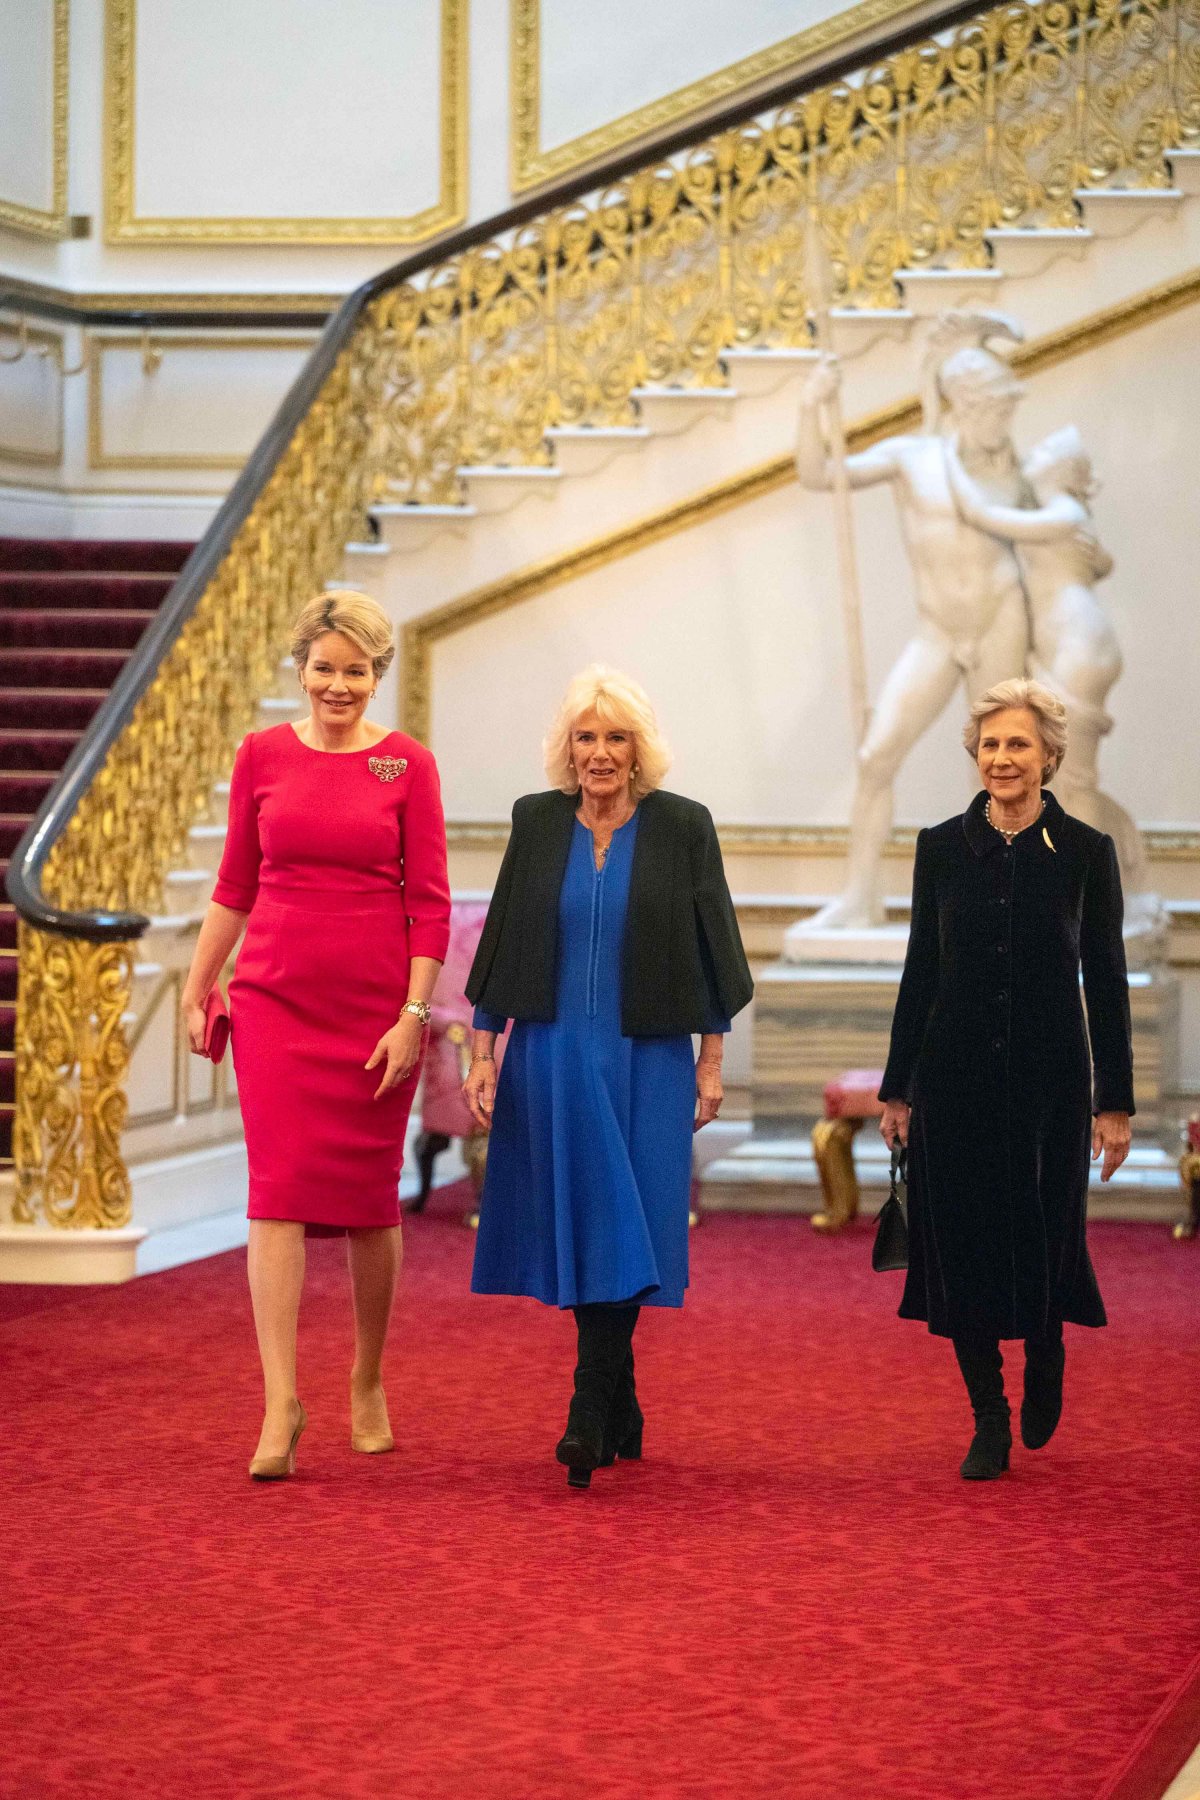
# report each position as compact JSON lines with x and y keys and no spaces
{"x":604,"y":1333}
{"x":983,"y":1371}
{"x":623,"y":1432}
{"x":1041,"y":1408}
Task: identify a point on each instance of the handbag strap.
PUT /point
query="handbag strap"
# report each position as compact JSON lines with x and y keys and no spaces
{"x":899,"y":1166}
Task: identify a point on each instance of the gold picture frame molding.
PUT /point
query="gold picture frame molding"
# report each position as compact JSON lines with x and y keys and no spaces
{"x":532,"y":165}
{"x":421,"y":634}
{"x":123,"y":224}
{"x":98,"y":458}
{"x":37,"y":221}
{"x":54,"y":342}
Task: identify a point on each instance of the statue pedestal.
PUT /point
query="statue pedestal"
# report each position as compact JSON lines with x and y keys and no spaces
{"x":814,"y":1019}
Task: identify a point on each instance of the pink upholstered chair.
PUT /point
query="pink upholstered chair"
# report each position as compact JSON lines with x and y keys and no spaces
{"x":444,"y":1112}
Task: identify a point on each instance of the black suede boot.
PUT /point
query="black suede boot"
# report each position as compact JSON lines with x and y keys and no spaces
{"x":1041,"y":1408}
{"x":623,"y":1432}
{"x":983,"y":1371}
{"x":604,"y":1333}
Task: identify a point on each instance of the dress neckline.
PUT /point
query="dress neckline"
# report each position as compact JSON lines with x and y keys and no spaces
{"x":361,"y":751}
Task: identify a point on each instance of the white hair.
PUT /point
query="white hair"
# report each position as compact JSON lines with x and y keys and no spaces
{"x":616,"y":700}
{"x":1047,"y":709}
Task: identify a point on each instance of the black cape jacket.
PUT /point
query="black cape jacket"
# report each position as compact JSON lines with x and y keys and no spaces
{"x":683,"y":965}
{"x":990,"y":1044}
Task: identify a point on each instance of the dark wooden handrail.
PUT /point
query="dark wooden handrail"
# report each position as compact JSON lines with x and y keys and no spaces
{"x":24,"y":878}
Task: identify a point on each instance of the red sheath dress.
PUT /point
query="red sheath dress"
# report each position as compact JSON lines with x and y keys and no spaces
{"x":340,"y":860}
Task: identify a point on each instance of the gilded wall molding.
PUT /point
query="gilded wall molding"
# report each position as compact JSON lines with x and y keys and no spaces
{"x":531,"y":164}
{"x":123,"y":224}
{"x":1164,"y":843}
{"x":39,"y":221}
{"x":99,"y":342}
{"x":50,"y":343}
{"x":19,"y":294}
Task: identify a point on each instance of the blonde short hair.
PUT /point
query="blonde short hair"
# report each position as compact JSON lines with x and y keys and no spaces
{"x":1047,"y":709}
{"x":617,"y":700}
{"x":356,"y":616}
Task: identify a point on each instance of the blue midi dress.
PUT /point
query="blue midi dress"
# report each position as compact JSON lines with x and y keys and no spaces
{"x":589,"y":1165}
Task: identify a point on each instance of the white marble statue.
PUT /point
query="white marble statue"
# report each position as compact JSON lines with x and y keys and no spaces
{"x":972,"y":624}
{"x":1074,"y":650}
{"x":1005,"y":560}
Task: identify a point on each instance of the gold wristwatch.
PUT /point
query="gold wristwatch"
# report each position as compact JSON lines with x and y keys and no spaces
{"x":421,"y":1008}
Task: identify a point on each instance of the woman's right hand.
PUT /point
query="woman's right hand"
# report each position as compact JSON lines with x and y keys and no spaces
{"x":894,"y":1123}
{"x":194,"y":1022}
{"x":479,"y":1090}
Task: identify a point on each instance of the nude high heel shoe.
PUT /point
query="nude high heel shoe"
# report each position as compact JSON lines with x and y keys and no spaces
{"x":278,"y":1468}
{"x":370,"y":1443}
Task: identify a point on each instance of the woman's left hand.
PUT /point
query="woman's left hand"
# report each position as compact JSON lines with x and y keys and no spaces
{"x":401,"y":1049}
{"x":709,"y":1092}
{"x":1111,"y":1133}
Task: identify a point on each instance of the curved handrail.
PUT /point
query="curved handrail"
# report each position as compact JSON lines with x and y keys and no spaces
{"x":23,"y":880}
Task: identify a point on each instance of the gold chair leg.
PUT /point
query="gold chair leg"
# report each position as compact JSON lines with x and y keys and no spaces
{"x":1189,"y":1174}
{"x":833,"y":1153}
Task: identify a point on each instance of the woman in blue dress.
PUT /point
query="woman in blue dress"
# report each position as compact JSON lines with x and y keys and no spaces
{"x":611,"y":941}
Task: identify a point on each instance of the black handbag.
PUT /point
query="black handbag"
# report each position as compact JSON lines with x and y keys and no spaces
{"x":890,"y":1250}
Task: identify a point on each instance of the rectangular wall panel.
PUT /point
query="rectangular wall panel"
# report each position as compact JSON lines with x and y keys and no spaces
{"x":33,"y":115}
{"x":289,"y":121}
{"x":31,"y":399}
{"x":579,"y":94}
{"x":204,"y":406}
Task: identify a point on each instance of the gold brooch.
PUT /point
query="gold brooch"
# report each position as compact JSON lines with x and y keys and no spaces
{"x":386,"y":768}
{"x":1046,"y":835}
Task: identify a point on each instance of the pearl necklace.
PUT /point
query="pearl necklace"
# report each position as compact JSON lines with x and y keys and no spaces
{"x":1008,"y":836}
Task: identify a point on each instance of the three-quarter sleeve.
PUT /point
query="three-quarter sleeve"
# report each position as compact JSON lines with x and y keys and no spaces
{"x":918,"y":983}
{"x":1106,"y":983}
{"x":482,"y":1020}
{"x":237,"y":880}
{"x":426,"y":881}
{"x":727,"y":979}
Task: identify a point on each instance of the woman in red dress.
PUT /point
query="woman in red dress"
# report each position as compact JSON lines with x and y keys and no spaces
{"x":335,"y":866}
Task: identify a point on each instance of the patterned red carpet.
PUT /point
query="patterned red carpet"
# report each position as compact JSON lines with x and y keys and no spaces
{"x":793,"y":1595}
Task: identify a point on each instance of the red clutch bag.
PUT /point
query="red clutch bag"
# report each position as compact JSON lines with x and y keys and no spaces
{"x":216,"y":1026}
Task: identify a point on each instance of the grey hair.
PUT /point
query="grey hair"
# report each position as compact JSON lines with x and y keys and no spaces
{"x":1047,"y":709}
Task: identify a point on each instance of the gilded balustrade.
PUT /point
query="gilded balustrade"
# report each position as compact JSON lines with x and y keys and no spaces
{"x":907,"y":165}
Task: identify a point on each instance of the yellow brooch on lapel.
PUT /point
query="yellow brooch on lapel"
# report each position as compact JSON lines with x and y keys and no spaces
{"x":386,"y":768}
{"x":1049,"y":845}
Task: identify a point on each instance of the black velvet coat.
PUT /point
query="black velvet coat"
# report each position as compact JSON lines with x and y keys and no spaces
{"x":683,"y":968}
{"x":990,"y":1045}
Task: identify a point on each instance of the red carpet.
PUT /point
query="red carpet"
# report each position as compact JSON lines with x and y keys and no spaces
{"x":71,"y":610}
{"x":793,"y":1595}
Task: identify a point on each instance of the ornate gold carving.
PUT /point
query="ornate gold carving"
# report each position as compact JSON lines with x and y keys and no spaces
{"x":36,"y":220}
{"x":531,"y":165}
{"x":422,"y":633}
{"x":72,"y":1056}
{"x":123,"y":224}
{"x":100,"y":458}
{"x":833,"y":1153}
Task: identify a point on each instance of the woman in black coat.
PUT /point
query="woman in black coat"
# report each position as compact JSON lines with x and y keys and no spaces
{"x":989,"y":1081}
{"x":611,"y":940}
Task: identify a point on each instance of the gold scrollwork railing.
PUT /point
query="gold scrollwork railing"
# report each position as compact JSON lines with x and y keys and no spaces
{"x":908,"y":165}
{"x":555,"y":316}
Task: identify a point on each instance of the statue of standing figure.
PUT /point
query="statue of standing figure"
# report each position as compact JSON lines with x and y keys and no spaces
{"x":1004,"y":558}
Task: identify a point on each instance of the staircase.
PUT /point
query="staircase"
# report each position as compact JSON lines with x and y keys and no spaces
{"x":71,"y":611}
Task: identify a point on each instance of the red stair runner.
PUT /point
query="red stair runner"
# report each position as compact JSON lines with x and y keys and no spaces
{"x":71,"y":610}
